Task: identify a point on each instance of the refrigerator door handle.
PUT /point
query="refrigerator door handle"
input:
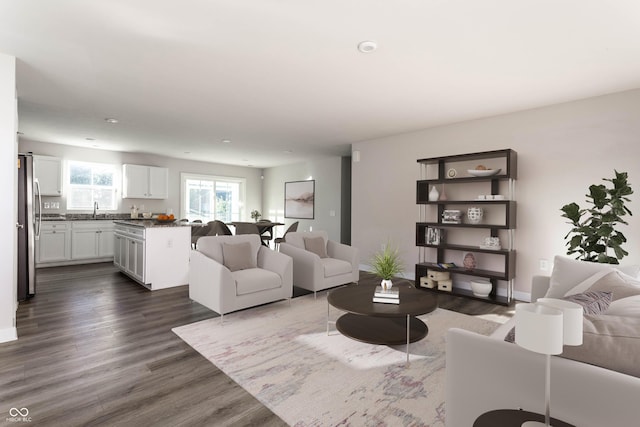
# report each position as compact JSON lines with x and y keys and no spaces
{"x":38,"y":218}
{"x":18,"y":225}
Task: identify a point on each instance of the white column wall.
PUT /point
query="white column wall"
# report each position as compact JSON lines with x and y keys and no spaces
{"x":8,"y":193}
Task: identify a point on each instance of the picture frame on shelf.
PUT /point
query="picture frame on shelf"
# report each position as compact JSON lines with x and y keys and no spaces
{"x":452,"y":216}
{"x":434,"y":236}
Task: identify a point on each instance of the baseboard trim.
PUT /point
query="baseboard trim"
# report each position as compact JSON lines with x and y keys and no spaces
{"x":8,"y":334}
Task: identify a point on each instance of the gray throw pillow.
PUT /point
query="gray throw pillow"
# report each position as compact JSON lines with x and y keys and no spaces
{"x":237,"y":256}
{"x":316,"y":245}
{"x":592,"y":302}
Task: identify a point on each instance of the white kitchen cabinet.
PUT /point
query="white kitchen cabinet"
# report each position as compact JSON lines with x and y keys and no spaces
{"x":54,"y":244}
{"x":155,"y":256}
{"x":144,"y":182}
{"x":48,"y":171}
{"x":92,"y":239}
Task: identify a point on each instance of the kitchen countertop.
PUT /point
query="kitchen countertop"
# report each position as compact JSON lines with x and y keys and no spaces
{"x":150,"y":223}
{"x":88,"y":217}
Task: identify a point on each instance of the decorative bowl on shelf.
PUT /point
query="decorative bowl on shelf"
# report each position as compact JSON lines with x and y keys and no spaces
{"x":483,"y":172}
{"x":481,"y":288}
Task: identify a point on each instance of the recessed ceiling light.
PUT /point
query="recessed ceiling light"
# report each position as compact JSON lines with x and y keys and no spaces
{"x":226,"y":141}
{"x":90,"y":139}
{"x":111,"y":120}
{"x":367,"y":46}
{"x":187,"y":152}
{"x":288,"y":151}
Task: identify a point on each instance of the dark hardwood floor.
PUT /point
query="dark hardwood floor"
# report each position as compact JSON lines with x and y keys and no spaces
{"x":96,"y":349}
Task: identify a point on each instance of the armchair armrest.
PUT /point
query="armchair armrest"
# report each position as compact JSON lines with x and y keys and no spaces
{"x":307,"y":269}
{"x":539,"y":287}
{"x":210,"y":283}
{"x":343,"y":252}
{"x":278,"y":263}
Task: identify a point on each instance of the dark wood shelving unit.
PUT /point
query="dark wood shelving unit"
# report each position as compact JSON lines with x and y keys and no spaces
{"x":507,"y":175}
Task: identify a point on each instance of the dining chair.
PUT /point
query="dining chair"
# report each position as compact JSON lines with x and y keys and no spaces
{"x":292,"y":228}
{"x":218,"y":228}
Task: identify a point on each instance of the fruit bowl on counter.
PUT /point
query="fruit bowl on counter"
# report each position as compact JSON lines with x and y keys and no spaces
{"x":164,"y":219}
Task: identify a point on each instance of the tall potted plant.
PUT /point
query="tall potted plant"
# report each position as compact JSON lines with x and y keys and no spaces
{"x":595,"y":235}
{"x":386,"y":265}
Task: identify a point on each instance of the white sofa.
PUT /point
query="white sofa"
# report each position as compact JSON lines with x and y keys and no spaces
{"x":314,"y":272}
{"x":215,"y":286}
{"x":486,"y":373}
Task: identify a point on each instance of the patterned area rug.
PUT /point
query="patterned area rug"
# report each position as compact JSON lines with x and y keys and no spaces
{"x":282,"y":355}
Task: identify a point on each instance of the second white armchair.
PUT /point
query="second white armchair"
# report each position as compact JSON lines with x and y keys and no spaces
{"x":320,"y":263}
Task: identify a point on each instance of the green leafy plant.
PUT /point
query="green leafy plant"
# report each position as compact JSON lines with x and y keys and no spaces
{"x":387,"y":264}
{"x":593,"y":237}
{"x":255,"y":214}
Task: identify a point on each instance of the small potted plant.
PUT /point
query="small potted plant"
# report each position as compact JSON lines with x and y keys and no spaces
{"x":386,"y":265}
{"x":255,"y":215}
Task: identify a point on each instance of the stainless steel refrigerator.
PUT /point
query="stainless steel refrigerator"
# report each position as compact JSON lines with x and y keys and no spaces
{"x":29,"y":221}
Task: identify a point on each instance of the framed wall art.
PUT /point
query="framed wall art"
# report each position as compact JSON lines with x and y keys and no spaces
{"x":299,"y":199}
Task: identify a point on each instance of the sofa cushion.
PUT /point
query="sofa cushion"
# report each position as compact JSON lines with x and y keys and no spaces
{"x":238,"y":256}
{"x":316,"y":245}
{"x":629,"y":306}
{"x":335,"y":267}
{"x":619,"y":284}
{"x":567,"y":273}
{"x":611,"y":342}
{"x":255,"y":280}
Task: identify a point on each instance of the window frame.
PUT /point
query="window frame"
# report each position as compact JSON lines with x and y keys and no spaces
{"x":114,"y":187}
{"x":184,"y":176}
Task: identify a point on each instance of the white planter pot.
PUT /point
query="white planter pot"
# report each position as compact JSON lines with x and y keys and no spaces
{"x":386,"y":284}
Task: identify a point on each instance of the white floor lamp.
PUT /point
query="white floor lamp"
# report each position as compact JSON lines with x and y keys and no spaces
{"x":543,"y":328}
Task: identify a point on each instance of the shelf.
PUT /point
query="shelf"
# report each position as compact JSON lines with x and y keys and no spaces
{"x":504,"y":212}
{"x":497,"y":275}
{"x":468,"y":249}
{"x":494,"y":299}
{"x":463,"y":225}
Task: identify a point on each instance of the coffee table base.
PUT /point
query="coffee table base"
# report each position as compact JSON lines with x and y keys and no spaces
{"x":381,"y":330}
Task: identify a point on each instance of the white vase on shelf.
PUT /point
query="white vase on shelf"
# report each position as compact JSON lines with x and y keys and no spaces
{"x":434,"y":194}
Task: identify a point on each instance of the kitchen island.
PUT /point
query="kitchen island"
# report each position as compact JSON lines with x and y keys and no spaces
{"x":154,"y":254}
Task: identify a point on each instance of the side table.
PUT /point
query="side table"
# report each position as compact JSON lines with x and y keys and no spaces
{"x":513,"y":418}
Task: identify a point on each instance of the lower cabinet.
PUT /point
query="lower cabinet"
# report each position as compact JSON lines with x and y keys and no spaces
{"x":74,"y":242}
{"x":54,"y":244}
{"x":92,"y":239}
{"x":156,"y":257}
{"x":129,"y":252}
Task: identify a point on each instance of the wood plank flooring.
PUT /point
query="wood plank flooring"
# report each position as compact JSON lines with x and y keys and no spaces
{"x":96,"y":349}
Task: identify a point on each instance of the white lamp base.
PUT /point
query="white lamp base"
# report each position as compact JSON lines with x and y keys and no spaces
{"x":533,"y":424}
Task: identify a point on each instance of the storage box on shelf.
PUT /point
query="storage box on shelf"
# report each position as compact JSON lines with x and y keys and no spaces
{"x":443,"y":238}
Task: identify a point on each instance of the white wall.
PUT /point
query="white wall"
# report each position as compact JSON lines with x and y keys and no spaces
{"x":327,"y":173}
{"x":562,"y":149}
{"x":8,"y":193}
{"x":175,"y":166}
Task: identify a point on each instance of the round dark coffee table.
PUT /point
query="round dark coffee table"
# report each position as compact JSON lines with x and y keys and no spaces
{"x":380,"y":323}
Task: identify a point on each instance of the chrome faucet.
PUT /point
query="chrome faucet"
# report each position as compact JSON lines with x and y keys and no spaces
{"x":95,"y":209}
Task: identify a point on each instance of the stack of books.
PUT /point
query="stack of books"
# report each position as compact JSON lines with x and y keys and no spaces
{"x":386,"y":296}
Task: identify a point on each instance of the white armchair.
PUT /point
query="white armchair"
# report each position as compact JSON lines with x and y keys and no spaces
{"x":320,"y":263}
{"x":229,"y":273}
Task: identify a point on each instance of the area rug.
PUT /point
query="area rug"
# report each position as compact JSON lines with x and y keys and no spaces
{"x":281,"y":354}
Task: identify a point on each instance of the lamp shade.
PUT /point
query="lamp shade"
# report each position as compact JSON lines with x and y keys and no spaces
{"x":572,"y":314}
{"x":539,"y":328}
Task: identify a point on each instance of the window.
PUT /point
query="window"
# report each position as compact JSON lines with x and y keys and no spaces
{"x":211,"y":197}
{"x":89,"y":183}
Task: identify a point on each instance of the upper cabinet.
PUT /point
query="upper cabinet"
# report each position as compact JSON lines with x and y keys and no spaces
{"x":48,"y":171}
{"x":144,"y":182}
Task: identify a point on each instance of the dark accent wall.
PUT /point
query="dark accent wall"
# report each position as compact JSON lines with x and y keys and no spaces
{"x":345,"y":202}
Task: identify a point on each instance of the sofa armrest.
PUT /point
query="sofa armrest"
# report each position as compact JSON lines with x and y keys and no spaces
{"x":539,"y":287}
{"x":280,"y":264}
{"x":211,"y":283}
{"x":346,"y":253}
{"x":307,"y":269}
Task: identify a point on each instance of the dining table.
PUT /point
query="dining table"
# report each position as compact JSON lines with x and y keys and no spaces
{"x":264,"y":227}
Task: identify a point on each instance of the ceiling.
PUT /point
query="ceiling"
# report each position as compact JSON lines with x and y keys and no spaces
{"x":282,"y":80}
